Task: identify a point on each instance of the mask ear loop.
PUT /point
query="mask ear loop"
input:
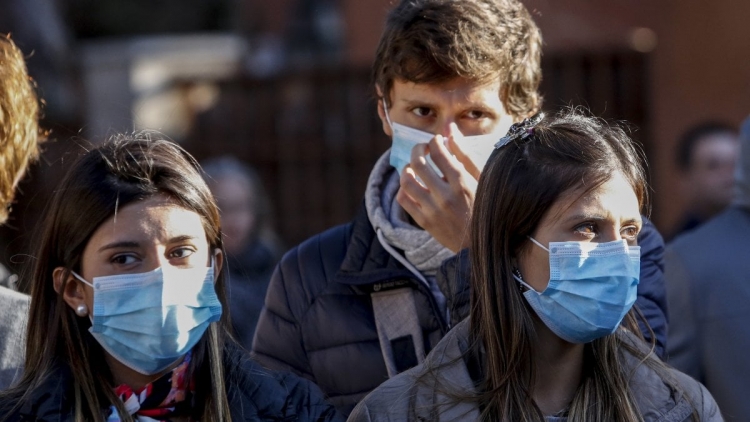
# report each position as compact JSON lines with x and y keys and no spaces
{"x":517,"y":273}
{"x":537,"y":243}
{"x":82,"y":280}
{"x":385,"y":111}
{"x":517,"y":276}
{"x":88,"y":313}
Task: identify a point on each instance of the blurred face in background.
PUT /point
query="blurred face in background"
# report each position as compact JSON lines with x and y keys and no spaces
{"x":235,"y":198}
{"x":710,"y":177}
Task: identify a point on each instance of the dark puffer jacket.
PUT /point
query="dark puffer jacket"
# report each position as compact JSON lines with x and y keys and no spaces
{"x":254,"y":394}
{"x":318,"y":320}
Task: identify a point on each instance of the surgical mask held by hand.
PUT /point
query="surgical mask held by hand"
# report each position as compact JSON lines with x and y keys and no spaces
{"x":477,"y":148}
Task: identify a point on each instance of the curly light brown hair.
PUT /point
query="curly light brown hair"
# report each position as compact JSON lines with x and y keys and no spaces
{"x":433,"y":41}
{"x":19,"y":121}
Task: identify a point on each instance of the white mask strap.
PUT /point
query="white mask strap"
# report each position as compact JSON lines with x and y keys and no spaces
{"x":385,"y":110}
{"x":81,"y":279}
{"x":523,"y":283}
{"x":537,"y":243}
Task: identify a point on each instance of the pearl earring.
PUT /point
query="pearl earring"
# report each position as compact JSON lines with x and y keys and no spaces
{"x":82,"y":310}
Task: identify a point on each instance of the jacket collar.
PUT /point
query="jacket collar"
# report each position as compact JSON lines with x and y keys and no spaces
{"x":367,"y":262}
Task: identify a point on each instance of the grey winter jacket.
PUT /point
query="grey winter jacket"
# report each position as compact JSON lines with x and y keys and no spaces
{"x":14,"y":308}
{"x":403,"y":399}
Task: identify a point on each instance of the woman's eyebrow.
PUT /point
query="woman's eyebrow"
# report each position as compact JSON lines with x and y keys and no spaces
{"x":120,"y":244}
{"x":585,"y":217}
{"x":182,"y":238}
{"x":637,"y":221}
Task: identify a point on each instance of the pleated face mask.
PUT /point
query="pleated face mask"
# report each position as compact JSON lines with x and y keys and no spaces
{"x":148,"y":321}
{"x":592,"y":287}
{"x":405,"y":138}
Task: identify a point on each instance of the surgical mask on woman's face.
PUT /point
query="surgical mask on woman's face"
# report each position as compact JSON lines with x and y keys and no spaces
{"x":148,"y":321}
{"x":592,"y":287}
{"x":477,"y":148}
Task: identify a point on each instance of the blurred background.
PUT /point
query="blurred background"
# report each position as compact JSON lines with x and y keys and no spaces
{"x":283,"y":86}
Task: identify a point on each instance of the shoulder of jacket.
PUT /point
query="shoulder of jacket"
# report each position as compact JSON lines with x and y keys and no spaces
{"x":706,"y":236}
{"x":259,"y":387}
{"x":308,"y":269}
{"x":669,"y":396}
{"x":12,"y":297}
{"x":278,"y":394}
{"x":695,"y":397}
{"x":321,"y":254}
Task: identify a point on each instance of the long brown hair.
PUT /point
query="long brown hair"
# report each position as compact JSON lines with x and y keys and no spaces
{"x":125,"y":169}
{"x":519,"y":184}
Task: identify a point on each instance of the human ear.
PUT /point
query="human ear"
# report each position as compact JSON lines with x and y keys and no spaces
{"x":218,"y":263}
{"x":71,"y":291}
{"x":381,"y":111}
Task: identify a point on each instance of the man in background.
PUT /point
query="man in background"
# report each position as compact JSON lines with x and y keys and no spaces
{"x":19,"y":145}
{"x":706,"y":157}
{"x":708,"y":294}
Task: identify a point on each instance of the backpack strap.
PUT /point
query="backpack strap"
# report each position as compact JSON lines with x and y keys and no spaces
{"x":398,"y":328}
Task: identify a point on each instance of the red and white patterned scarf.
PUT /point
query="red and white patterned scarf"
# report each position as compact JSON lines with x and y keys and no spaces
{"x":167,"y":397}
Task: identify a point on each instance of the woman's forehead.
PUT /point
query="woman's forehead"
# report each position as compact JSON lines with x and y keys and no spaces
{"x":613,"y":199}
{"x":155,"y":219}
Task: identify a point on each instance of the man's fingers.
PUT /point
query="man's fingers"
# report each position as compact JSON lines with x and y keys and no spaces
{"x":455,"y":149}
{"x":422,"y":168}
{"x":410,"y":206}
{"x":443,"y":159}
{"x":418,"y":193}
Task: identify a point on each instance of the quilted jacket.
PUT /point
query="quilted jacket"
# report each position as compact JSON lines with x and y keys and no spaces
{"x":318,"y":319}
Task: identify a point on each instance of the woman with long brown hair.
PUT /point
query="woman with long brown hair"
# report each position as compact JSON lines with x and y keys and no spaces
{"x":126,"y":320}
{"x":552,"y":334}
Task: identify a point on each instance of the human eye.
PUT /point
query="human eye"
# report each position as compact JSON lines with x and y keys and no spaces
{"x":124,"y":259}
{"x":181,"y":252}
{"x":629,"y":233}
{"x":422,"y":111}
{"x":587,"y":230}
{"x":476,"y":114}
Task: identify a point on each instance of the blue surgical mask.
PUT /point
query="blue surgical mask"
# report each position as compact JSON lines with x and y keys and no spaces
{"x":592,"y":287}
{"x":148,"y":321}
{"x":478,"y":148}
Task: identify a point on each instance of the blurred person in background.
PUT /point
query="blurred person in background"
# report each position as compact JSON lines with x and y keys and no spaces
{"x":364,"y":301}
{"x":126,"y":320}
{"x":707,"y":272}
{"x":706,"y":157}
{"x":19,"y":145}
{"x":252,"y":247}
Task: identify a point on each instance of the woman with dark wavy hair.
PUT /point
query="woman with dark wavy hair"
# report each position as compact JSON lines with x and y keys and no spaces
{"x":552,"y":334}
{"x":126,"y":320}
